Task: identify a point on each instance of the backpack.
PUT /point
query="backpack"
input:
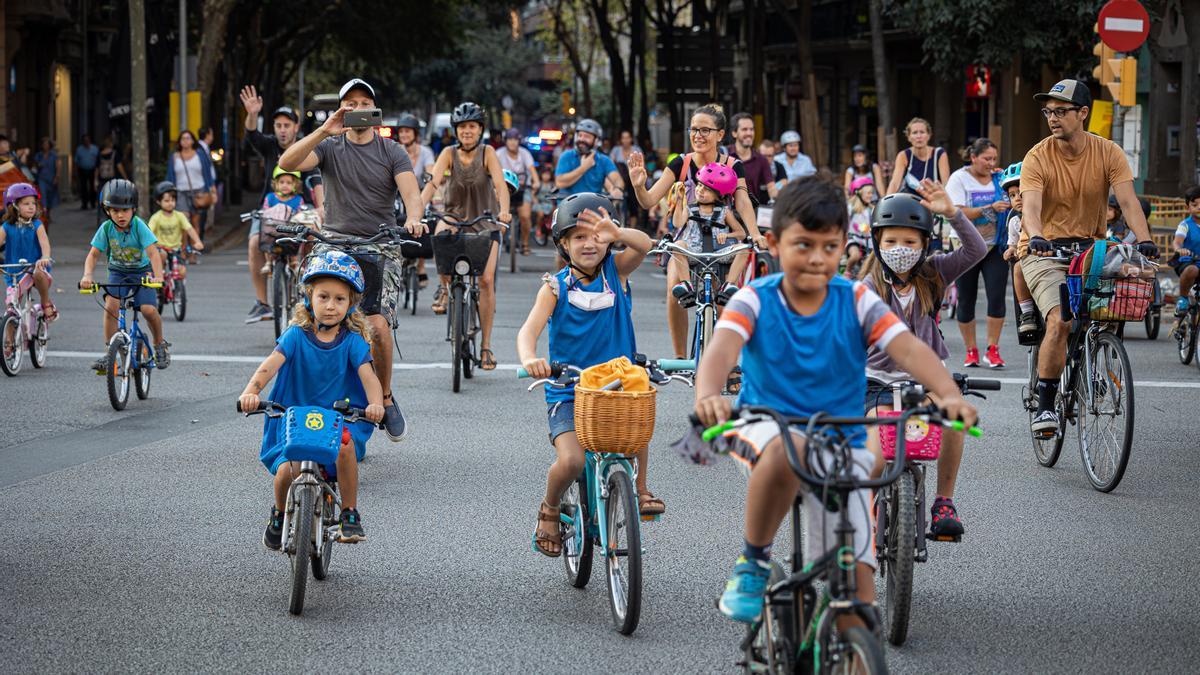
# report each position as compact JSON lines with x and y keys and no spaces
{"x":107,"y":167}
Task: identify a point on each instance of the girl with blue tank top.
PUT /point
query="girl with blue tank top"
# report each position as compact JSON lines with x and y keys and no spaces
{"x":589,"y":310}
{"x":24,"y":237}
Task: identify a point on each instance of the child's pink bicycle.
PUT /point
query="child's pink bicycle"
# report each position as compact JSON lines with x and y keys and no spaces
{"x":25,"y":325}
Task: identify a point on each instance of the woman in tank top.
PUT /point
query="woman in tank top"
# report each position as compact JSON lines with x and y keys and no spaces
{"x":474,"y":185}
{"x":920,"y":160}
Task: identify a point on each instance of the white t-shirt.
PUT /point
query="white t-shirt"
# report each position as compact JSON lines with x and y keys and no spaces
{"x":189,"y":175}
{"x":423,"y":163}
{"x":522,"y":164}
{"x":964,"y":189}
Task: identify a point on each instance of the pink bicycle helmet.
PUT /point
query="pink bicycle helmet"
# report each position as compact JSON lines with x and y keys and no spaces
{"x":860,"y":182}
{"x":718,"y":177}
{"x":19,"y":191}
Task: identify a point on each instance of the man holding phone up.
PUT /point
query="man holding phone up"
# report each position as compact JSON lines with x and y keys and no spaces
{"x":362,"y":172}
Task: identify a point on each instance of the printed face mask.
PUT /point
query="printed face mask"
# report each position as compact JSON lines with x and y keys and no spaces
{"x":900,"y":259}
{"x":591,"y":301}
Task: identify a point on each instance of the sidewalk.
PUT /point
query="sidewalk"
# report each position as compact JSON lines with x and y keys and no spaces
{"x":72,"y":229}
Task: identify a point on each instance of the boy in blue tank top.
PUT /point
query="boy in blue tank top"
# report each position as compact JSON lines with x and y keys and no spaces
{"x":1187,"y":249}
{"x":823,"y":324}
{"x":589,"y":310}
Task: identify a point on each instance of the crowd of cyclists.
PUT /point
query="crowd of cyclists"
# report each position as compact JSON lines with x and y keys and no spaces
{"x":862,"y":268}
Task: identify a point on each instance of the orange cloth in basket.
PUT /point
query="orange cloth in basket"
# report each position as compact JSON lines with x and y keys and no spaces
{"x":633,"y":378}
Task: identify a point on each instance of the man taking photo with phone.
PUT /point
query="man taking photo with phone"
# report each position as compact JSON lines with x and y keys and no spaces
{"x":362,"y":172}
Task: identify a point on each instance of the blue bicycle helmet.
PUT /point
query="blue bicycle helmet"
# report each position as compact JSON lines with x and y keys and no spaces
{"x":1011,"y":175}
{"x":511,"y":180}
{"x":335,"y":264}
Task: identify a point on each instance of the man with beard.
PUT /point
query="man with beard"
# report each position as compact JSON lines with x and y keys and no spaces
{"x":583,"y":169}
{"x":760,"y":171}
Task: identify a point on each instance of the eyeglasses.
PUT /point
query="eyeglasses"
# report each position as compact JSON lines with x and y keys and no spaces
{"x":702,"y":131}
{"x":1058,"y":112}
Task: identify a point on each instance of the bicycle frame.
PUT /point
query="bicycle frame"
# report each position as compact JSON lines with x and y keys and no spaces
{"x":307,"y":478}
{"x":596,"y":470}
{"x":19,"y":299}
{"x":705,"y":268}
{"x":132,"y":332}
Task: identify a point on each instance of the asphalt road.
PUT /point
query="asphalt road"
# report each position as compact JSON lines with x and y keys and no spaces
{"x":134,"y":536}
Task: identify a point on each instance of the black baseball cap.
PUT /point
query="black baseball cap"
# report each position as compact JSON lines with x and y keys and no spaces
{"x":286,"y":112}
{"x":356,"y":83}
{"x":1069,"y":91}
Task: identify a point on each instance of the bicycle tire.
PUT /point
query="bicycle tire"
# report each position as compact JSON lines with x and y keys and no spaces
{"x":302,"y":541}
{"x":469,"y":330}
{"x":1045,"y":450}
{"x":456,"y":337}
{"x":514,"y":232}
{"x":279,"y":296}
{"x":141,"y":375}
{"x":901,"y":538}
{"x":861,"y":643}
{"x":323,"y":552}
{"x":578,"y":548}
{"x":118,"y":374}
{"x":621,"y":515}
{"x":412,"y":286}
{"x":1153,"y":322}
{"x":12,"y":355}
{"x":1185,"y":336}
{"x":179,"y":300}
{"x":1116,"y":363}
{"x":37,"y":343}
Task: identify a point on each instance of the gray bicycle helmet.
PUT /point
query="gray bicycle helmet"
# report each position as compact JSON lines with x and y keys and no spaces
{"x":163,"y":188}
{"x":591,"y":126}
{"x":466,"y":112}
{"x":409,"y":121}
{"x":566,"y":217}
{"x":119,"y":194}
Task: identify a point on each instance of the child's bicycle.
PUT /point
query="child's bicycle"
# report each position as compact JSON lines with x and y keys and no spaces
{"x":1188,"y":326}
{"x":130,"y":354}
{"x":310,"y":515}
{"x":25,"y":326}
{"x":900,"y":520}
{"x":174,"y":287}
{"x":601,"y":508}
{"x":798,"y":629}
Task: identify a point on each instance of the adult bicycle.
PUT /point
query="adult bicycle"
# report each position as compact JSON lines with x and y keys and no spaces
{"x":25,"y":325}
{"x":282,"y":253}
{"x":1188,"y":326}
{"x":312,"y":508}
{"x":130,"y":355}
{"x":600,"y":508}
{"x":174,"y":287}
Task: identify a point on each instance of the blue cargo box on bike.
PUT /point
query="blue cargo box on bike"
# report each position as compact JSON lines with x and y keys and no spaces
{"x":312,"y":434}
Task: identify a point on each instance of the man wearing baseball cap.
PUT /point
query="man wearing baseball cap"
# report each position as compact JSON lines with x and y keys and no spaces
{"x":362,"y":172}
{"x":1065,"y":181}
{"x":286,"y":125}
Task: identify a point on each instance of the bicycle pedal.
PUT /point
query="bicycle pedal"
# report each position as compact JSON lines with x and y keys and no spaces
{"x":651,"y":517}
{"x":955,"y":538}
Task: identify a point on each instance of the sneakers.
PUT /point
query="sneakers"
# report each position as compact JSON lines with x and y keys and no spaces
{"x":273,"y":537}
{"x":1181,"y":306}
{"x":726,"y":293}
{"x":992,"y":359}
{"x":260,"y":312}
{"x":1045,"y":425}
{"x":351,"y":531}
{"x":1027,"y":329}
{"x":944,"y":520}
{"x":972,"y":360}
{"x":162,"y":355}
{"x":393,"y":421}
{"x":101,"y":365}
{"x":743,"y":596}
{"x":684,"y":294}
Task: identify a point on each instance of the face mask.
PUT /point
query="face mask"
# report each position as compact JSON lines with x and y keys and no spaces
{"x":591,"y":301}
{"x":900,"y":259}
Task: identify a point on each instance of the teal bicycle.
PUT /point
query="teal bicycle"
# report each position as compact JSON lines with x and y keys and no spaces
{"x":600,"y":509}
{"x":130,"y":355}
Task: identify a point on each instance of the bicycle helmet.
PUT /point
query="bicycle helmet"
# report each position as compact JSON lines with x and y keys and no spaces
{"x":789,"y":136}
{"x":335,"y":264}
{"x":590,"y":126}
{"x":511,"y":180}
{"x":861,"y":182}
{"x":279,"y":171}
{"x":512,"y":133}
{"x":1011,"y":176}
{"x":119,"y":193}
{"x":18,"y":191}
{"x":1146,"y":207}
{"x":900,"y":209}
{"x":408,"y":121}
{"x":718,"y":177}
{"x":163,"y":188}
{"x":859,"y":147}
{"x":466,"y":112}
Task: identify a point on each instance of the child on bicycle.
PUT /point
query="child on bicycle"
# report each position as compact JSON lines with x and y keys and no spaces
{"x":24,"y":238}
{"x":715,"y":186}
{"x":323,"y":357}
{"x":824,"y":325}
{"x":130,"y":249}
{"x":1187,"y":246}
{"x":860,"y":206}
{"x":912,"y":280}
{"x":589,"y":310}
{"x":169,"y":226}
{"x":1027,"y":324}
{"x":281,"y":202}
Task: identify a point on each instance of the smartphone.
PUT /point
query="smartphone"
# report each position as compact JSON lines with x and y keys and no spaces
{"x":366,"y":117}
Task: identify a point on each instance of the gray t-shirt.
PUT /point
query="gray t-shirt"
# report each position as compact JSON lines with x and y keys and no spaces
{"x":360,"y":183}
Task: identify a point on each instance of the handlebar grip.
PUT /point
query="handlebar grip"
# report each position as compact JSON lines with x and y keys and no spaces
{"x":522,"y":373}
{"x":983,"y":385}
{"x":152,"y":284}
{"x":262,"y":405}
{"x":89,"y":290}
{"x":674,"y":365}
{"x":288,"y":228}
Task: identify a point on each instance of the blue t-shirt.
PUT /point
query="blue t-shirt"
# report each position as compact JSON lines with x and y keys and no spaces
{"x":582,"y":338}
{"x":294,"y":202}
{"x":1188,"y":228}
{"x":800,"y":365}
{"x":126,"y":251}
{"x":21,"y":242}
{"x":593,"y":180}
{"x":318,"y":374}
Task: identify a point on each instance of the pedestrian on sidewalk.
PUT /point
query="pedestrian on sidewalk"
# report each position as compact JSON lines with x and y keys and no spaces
{"x":191,"y":171}
{"x":87,"y":155}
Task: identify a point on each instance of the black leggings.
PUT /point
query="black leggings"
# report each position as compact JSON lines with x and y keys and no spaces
{"x":995,"y":283}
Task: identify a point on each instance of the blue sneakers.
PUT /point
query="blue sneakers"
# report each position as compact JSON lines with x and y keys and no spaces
{"x":1181,"y":306}
{"x":743,"y":596}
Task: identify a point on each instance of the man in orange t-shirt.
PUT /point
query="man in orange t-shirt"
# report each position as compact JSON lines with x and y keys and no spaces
{"x":1065,"y":180}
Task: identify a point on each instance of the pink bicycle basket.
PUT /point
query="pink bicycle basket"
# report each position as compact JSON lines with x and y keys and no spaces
{"x":923,"y":441}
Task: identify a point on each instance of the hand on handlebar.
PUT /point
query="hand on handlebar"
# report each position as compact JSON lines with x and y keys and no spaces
{"x":956,"y":408}
{"x":248,"y":402}
{"x":1040,"y":246}
{"x":713,"y":410}
{"x":86,"y":281}
{"x":537,"y":368}
{"x":1148,"y":249}
{"x":416,"y":227}
{"x":373,"y":412}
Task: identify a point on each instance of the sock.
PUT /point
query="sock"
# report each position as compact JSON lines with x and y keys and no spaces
{"x":1027,"y":306}
{"x":1047,"y":390}
{"x":753,"y":552}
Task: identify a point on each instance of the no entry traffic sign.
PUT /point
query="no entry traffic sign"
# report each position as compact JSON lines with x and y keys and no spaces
{"x":1124,"y":25}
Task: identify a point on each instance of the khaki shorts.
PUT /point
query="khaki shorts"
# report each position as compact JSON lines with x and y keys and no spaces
{"x":381,"y":267}
{"x":1044,"y":277}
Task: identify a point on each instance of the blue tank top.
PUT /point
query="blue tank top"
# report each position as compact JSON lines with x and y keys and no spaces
{"x":921,"y":169}
{"x":583,"y":338}
{"x":21,"y":242}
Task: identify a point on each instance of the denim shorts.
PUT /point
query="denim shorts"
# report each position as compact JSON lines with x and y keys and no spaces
{"x":561,"y":418}
{"x":142,"y":295}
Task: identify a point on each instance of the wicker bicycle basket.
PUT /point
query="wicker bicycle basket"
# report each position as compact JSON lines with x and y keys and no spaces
{"x":616,"y":422}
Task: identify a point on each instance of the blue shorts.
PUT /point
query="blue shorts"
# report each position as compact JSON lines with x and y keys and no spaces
{"x":142,"y":295}
{"x":561,"y":417}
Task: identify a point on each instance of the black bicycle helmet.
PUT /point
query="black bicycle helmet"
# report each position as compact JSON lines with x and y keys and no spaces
{"x":591,"y":126}
{"x":119,"y":194}
{"x":466,"y":112}
{"x":900,"y":210}
{"x":567,"y":213}
{"x":408,"y":121}
{"x":163,"y":188}
{"x":1146,"y":207}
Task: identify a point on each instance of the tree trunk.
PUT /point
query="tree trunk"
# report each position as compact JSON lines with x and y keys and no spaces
{"x":644,"y":108}
{"x":883,"y":89}
{"x":622,"y":96}
{"x":212,"y":45}
{"x":637,"y":61}
{"x":137,"y":103}
{"x":811,"y":132}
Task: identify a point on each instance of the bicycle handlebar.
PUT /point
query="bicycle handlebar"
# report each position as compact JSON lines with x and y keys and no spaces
{"x":390,"y":233}
{"x":432,"y":217}
{"x":665,"y":246}
{"x":563,"y":375}
{"x":87,"y":290}
{"x":350,"y":414}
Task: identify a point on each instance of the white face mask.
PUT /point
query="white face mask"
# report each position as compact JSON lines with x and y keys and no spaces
{"x":900,"y":259}
{"x":591,"y":301}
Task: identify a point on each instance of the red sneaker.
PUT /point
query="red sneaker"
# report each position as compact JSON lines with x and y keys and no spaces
{"x":993,"y":357}
{"x":972,"y":360}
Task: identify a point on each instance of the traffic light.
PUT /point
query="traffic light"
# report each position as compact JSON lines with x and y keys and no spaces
{"x":1122,"y":80}
{"x":1103,"y":55}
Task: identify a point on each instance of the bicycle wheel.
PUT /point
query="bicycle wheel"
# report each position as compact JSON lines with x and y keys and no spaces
{"x":1153,"y":323}
{"x":118,"y":374}
{"x":323,"y":551}
{"x":141,"y":376}
{"x":769,"y":642}
{"x":1045,"y":450}
{"x":470,"y":320}
{"x":623,"y":558}
{"x":412,"y":285}
{"x":859,"y":652}
{"x":456,"y":336}
{"x":1106,"y":417}
{"x":302,"y":533}
{"x":577,"y":545}
{"x":37,"y":343}
{"x":12,"y":356}
{"x":901,"y":537}
{"x":1185,"y":336}
{"x":279,"y":296}
{"x":179,"y":300}
{"x":514,"y":232}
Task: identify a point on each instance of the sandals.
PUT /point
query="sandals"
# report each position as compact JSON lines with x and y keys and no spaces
{"x":649,"y":505}
{"x":487,"y":360}
{"x":549,"y":545}
{"x":440,"y":298}
{"x":525,"y":249}
{"x":422,"y":281}
{"x":49,"y":311}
